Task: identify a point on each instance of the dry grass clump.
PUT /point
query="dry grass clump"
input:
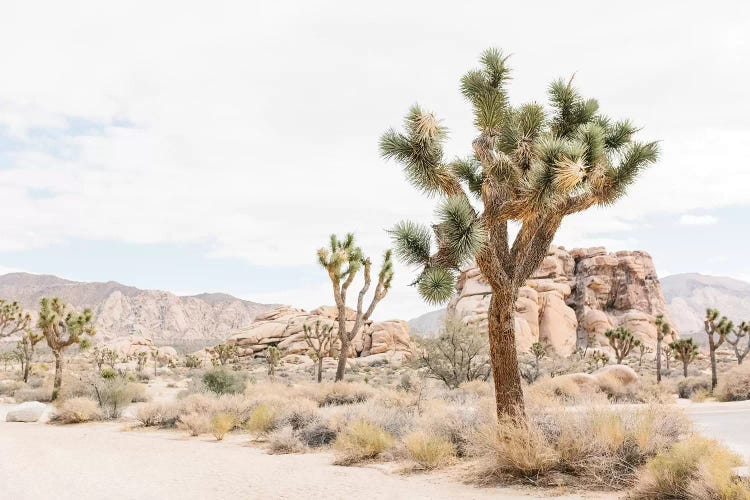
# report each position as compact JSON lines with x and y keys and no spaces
{"x":263,"y":420}
{"x":700,"y":395}
{"x":221,"y":423}
{"x":456,"y":423}
{"x":195,"y":423}
{"x":734,"y":385}
{"x":428,"y":450}
{"x":284,"y":441}
{"x":595,"y":447}
{"x":691,"y":469}
{"x":687,"y":386}
{"x":24,"y":394}
{"x":77,"y":410}
{"x":361,"y":441}
{"x":157,"y":415}
{"x":337,"y":393}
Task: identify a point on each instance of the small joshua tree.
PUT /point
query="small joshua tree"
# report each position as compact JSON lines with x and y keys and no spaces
{"x":668,"y":353}
{"x":539,"y":351}
{"x":740,"y":331}
{"x":600,"y":357}
{"x":141,"y":358}
{"x":13,"y":319}
{"x":192,"y":361}
{"x":685,"y":350}
{"x":155,"y":355}
{"x":662,"y":330}
{"x":25,"y":349}
{"x":530,"y":166}
{"x":225,"y":353}
{"x":320,"y":342}
{"x":273,"y":357}
{"x":343,"y":260}
{"x":62,"y":328}
{"x":717,"y":330}
{"x":643,"y":349}
{"x":622,"y":342}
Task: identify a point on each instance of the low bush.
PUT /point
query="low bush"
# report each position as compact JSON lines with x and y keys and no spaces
{"x":77,"y":410}
{"x":113,"y":395}
{"x":8,"y":387}
{"x":429,"y":451}
{"x":24,"y":394}
{"x":221,"y":423}
{"x":285,"y":440}
{"x":734,"y":385}
{"x":222,"y":381}
{"x":262,"y":420}
{"x":157,"y":415}
{"x":195,"y":423}
{"x":317,"y":435}
{"x":687,"y":386}
{"x":344,"y":394}
{"x":361,"y":441}
{"x":691,"y":469}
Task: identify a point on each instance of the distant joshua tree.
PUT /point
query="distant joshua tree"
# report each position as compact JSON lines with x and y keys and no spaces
{"x":25,"y":350}
{"x":13,"y":319}
{"x":717,"y":332}
{"x":667,"y":352}
{"x":539,"y":351}
{"x":62,"y":328}
{"x":622,"y":342}
{"x":343,"y":260}
{"x":141,"y":358}
{"x":600,"y":357}
{"x":685,"y":350}
{"x":643,"y":349}
{"x":273,"y":358}
{"x":225,"y":353}
{"x":740,"y":331}
{"x":662,"y":330}
{"x":319,"y":340}
{"x":531,"y":167}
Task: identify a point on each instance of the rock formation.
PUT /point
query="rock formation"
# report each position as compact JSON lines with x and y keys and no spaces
{"x":124,"y":311}
{"x":128,"y":347}
{"x":283,"y":327}
{"x":573,"y":298}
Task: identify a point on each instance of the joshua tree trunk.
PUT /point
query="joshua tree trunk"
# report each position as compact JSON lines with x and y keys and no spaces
{"x":344,"y":352}
{"x":685,"y":368}
{"x":26,"y":370}
{"x":658,"y":357}
{"x":714,"y":375}
{"x":58,"y":374}
{"x":505,"y":374}
{"x":320,"y":369}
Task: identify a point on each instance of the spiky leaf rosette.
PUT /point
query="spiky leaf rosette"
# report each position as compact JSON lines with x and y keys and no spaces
{"x":436,"y":285}
{"x":412,"y":242}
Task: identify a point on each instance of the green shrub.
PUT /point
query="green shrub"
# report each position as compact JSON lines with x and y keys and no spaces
{"x":114,"y":395}
{"x":221,"y":381}
{"x":108,"y":373}
{"x":262,"y":420}
{"x":221,"y":423}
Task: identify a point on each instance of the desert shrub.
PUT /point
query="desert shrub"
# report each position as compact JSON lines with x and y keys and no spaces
{"x":221,"y":381}
{"x":317,"y":435}
{"x":77,"y":410}
{"x":195,"y":423}
{"x":334,"y":394}
{"x":456,"y":423}
{"x":687,"y":386}
{"x":700,"y":395}
{"x":595,"y":447}
{"x":237,"y":405}
{"x":734,"y":385}
{"x":429,"y":451}
{"x":197,"y":403}
{"x":157,"y":415}
{"x":694,"y":468}
{"x":75,"y":387}
{"x":303,"y":414}
{"x":8,"y":387}
{"x":114,"y":395}
{"x":361,"y":441}
{"x":108,"y":373}
{"x":262,"y":420}
{"x":42,"y":394}
{"x":221,"y":423}
{"x":284,"y":441}
{"x":458,"y":354}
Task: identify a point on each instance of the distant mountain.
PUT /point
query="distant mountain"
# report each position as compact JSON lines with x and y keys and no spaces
{"x":689,"y":295}
{"x":427,"y":324}
{"x":122,"y":310}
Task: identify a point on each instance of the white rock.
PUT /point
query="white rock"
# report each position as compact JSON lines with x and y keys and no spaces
{"x":30,"y":411}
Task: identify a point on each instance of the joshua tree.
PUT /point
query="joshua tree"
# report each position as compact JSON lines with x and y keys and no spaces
{"x":155,"y":355}
{"x":668,"y":353}
{"x":141,"y":358}
{"x":685,"y":350}
{"x":662,"y":330}
{"x":343,"y":260}
{"x":225,"y":353}
{"x":740,"y":331}
{"x":12,"y":318}
{"x":192,"y":361}
{"x":643,"y":349}
{"x":273,"y":356}
{"x":25,"y":349}
{"x":539,"y":351}
{"x":530,"y":167}
{"x":61,"y":328}
{"x":600,"y":357}
{"x":622,"y":342}
{"x":717,"y":332}
{"x":320,"y":341}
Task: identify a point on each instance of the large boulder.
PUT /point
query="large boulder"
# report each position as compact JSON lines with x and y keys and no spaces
{"x":573,"y":298}
{"x":30,"y":411}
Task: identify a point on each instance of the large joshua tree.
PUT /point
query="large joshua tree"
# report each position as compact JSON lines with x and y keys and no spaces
{"x":530,"y":167}
{"x":717,"y":330}
{"x":343,"y":260}
{"x":62,"y":328}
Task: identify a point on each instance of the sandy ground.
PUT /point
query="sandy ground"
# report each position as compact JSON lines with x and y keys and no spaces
{"x":94,"y":461}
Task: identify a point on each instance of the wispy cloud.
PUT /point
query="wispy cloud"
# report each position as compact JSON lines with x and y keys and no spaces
{"x":698,"y":220}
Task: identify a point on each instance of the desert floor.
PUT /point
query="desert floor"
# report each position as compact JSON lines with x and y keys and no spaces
{"x":107,"y":460}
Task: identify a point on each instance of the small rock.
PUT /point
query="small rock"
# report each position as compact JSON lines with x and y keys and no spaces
{"x":30,"y":411}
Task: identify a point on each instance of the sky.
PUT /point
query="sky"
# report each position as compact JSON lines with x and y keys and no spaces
{"x":214,"y":146}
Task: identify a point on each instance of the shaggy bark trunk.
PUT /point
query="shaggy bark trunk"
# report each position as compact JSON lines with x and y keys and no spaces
{"x":344,"y":337}
{"x":26,"y":370}
{"x":714,"y":376}
{"x":502,"y":340}
{"x":658,"y":359}
{"x":320,"y":368}
{"x":684,"y":368}
{"x":58,"y":374}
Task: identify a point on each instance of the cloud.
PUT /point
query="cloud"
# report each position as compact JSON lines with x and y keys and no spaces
{"x":698,"y":220}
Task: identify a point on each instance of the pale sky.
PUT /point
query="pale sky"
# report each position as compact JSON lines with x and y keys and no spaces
{"x":213,"y":146}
